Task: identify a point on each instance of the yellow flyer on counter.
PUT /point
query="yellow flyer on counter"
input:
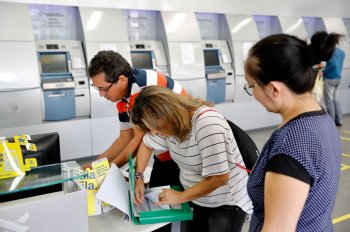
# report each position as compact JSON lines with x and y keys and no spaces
{"x":90,"y":183}
{"x":11,"y":161}
{"x":101,"y":168}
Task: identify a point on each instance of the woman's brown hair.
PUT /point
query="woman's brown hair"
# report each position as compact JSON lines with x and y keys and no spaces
{"x":161,"y":109}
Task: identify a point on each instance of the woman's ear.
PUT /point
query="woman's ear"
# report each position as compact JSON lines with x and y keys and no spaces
{"x":274,"y":88}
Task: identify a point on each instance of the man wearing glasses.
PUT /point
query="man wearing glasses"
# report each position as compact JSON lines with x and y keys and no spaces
{"x":116,"y":81}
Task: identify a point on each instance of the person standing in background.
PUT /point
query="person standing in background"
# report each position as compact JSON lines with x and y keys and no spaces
{"x":294,"y":182}
{"x":332,"y":74}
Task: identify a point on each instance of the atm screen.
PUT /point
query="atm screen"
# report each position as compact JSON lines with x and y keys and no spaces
{"x":211,"y":58}
{"x":141,"y":60}
{"x":53,"y":63}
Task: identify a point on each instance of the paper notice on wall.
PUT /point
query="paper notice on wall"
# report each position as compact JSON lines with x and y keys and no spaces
{"x":187,"y":53}
{"x":225,"y":58}
{"x":108,"y":47}
{"x":77,"y":63}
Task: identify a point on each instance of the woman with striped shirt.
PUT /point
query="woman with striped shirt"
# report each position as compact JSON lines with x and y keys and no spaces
{"x":201,"y":142}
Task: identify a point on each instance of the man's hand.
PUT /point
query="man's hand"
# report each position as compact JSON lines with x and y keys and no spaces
{"x":87,"y":165}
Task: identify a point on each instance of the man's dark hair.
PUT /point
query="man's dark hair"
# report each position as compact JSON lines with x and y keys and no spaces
{"x":111,"y":63}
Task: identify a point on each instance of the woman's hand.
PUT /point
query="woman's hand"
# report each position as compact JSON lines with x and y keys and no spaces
{"x":139,"y":193}
{"x":169,"y":197}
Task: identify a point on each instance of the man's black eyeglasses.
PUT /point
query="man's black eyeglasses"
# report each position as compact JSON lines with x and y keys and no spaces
{"x":103,"y":89}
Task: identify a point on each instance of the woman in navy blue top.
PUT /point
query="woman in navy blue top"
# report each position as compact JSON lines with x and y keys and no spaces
{"x":294,"y":182}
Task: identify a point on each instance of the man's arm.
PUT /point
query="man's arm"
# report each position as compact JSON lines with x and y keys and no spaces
{"x":130,"y":148}
{"x":118,"y":145}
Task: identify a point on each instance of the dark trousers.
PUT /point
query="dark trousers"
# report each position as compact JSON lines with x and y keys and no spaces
{"x":164,"y":173}
{"x":225,"y":218}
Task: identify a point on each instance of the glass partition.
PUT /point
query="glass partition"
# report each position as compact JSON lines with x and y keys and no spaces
{"x":40,"y":177}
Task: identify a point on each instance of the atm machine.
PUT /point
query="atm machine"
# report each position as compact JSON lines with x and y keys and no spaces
{"x":146,"y":37}
{"x":267,"y":25}
{"x":63,"y":78}
{"x":245,"y":110}
{"x":218,"y":62}
{"x":185,"y":51}
{"x":218,"y":67}
{"x":293,"y":25}
{"x":149,"y":54}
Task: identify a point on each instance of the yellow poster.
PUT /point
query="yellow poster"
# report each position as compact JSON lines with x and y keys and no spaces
{"x":91,"y":186}
{"x":11,"y":161}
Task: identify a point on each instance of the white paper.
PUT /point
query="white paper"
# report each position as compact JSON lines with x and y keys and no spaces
{"x":224,"y":58}
{"x":108,"y":46}
{"x":153,"y":196}
{"x":77,"y":63}
{"x":187,"y":53}
{"x":114,"y":190}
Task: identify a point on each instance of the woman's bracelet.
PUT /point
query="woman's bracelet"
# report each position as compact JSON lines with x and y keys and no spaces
{"x":139,"y":176}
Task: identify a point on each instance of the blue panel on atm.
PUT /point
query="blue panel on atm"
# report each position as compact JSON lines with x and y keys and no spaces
{"x":59,"y":104}
{"x":216,"y":90}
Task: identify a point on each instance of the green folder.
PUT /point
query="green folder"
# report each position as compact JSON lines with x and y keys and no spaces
{"x":182,"y":213}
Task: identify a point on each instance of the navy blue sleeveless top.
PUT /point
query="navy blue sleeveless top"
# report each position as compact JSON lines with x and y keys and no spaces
{"x":312,"y":140}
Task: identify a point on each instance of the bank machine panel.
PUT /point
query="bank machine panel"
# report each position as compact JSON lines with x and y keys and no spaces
{"x":216,"y":79}
{"x":149,"y":54}
{"x":63,"y":79}
{"x":142,"y":59}
{"x":218,"y":71}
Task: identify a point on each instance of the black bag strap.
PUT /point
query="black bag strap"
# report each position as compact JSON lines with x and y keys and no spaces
{"x":237,"y":164}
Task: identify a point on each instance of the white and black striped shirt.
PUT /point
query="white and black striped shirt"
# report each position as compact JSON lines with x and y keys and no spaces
{"x":209,"y":150}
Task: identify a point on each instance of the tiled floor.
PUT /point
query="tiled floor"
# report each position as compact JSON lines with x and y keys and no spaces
{"x":341,"y":213}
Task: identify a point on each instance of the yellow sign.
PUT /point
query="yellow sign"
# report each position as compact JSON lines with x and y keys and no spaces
{"x":11,"y":161}
{"x":22,"y":140}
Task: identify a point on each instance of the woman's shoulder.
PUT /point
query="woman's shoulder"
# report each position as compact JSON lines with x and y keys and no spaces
{"x":209,"y":118}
